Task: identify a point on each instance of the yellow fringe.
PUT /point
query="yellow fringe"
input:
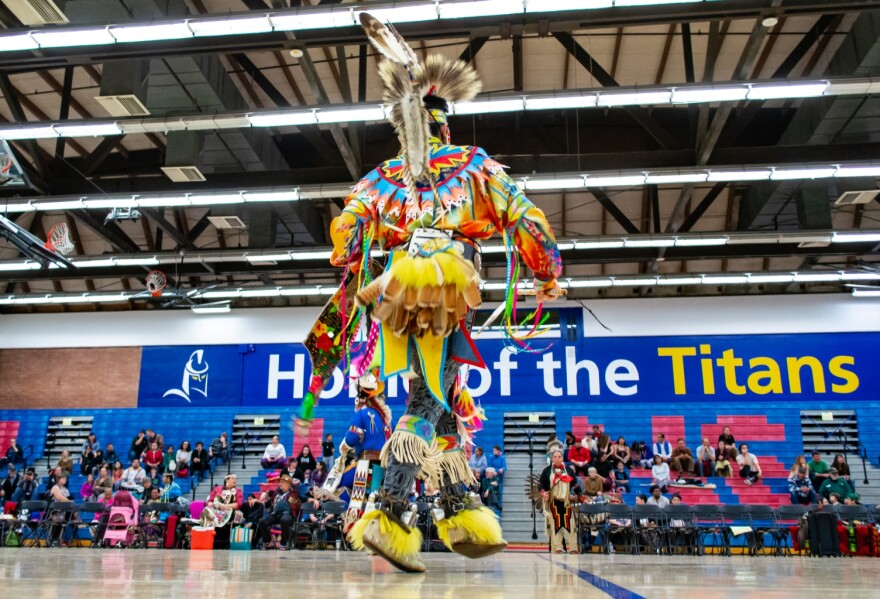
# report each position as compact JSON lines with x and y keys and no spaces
{"x":478,"y":526}
{"x":440,"y":269}
{"x":412,"y":449}
{"x":454,"y":467}
{"x":400,"y":541}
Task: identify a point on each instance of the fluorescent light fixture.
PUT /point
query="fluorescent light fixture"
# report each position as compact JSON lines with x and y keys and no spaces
{"x":295,"y":255}
{"x":560,"y":183}
{"x":608,"y":100}
{"x":636,"y":282}
{"x":709,"y":94}
{"x":486,"y":286}
{"x":743,"y":175}
{"x":597,"y":245}
{"x":770,"y":278}
{"x":231,"y":26}
{"x":676,"y":178}
{"x":680,"y":281}
{"x":67,"y":205}
{"x":221,"y":307}
{"x":479,"y":8}
{"x":816,"y":277}
{"x":63,"y":38}
{"x":866,"y":292}
{"x":86,"y":130}
{"x":274,"y":292}
{"x":337,"y":17}
{"x":648,"y":243}
{"x":163,"y":201}
{"x":112,"y":297}
{"x":700,"y":241}
{"x":488,"y":106}
{"x":791,"y":90}
{"x":618,"y":181}
{"x":493,"y":249}
{"x":43,"y":132}
{"x":209,"y":200}
{"x":152,"y":261}
{"x":557,"y":5}
{"x":649,"y":2}
{"x":257,"y":258}
{"x":111,"y":203}
{"x":283,"y":119}
{"x":855,"y":237}
{"x":11,"y":266}
{"x":11,"y":43}
{"x":858,"y":171}
{"x":725,"y":279}
{"x":157,"y":32}
{"x":301,"y":291}
{"x":273,"y":196}
{"x":351,"y":115}
{"x":784,"y":174}
{"x":221,"y":293}
{"x":94,"y":263}
{"x":558,"y":102}
{"x":404,"y":14}
{"x":860,"y":276}
{"x":578,"y":283}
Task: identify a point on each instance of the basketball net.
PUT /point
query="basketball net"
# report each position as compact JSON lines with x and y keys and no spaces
{"x":59,"y":239}
{"x":156,"y":282}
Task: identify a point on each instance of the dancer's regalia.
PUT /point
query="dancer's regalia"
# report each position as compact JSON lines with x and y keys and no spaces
{"x":429,"y":208}
{"x":357,"y":471}
{"x":561,"y":486}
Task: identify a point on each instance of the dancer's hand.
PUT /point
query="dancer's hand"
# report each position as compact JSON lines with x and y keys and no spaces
{"x":549,"y":291}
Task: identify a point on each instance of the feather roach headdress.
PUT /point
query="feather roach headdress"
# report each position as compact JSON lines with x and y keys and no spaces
{"x":417,"y":94}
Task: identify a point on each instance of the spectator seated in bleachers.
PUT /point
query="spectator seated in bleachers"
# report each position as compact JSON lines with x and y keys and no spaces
{"x":727,"y":437}
{"x":106,"y":498}
{"x":662,"y":449}
{"x":319,"y":475}
{"x":89,"y":457}
{"x":169,"y":461}
{"x":682,"y":459}
{"x":14,"y":454}
{"x":102,"y":481}
{"x":497,"y":460}
{"x":305,"y":462}
{"x":839,"y":462}
{"x":799,"y":462}
{"x":154,"y":437}
{"x":620,"y":478}
{"x":620,"y":453}
{"x":749,"y":469}
{"x":153,"y":458}
{"x":110,"y":454}
{"x":660,"y":474}
{"x":133,"y":479}
{"x":594,"y":485}
{"x":65,"y":462}
{"x":569,"y":442}
{"x":851,"y":499}
{"x":10,"y":483}
{"x":604,"y":462}
{"x":818,"y":470}
{"x":56,"y":473}
{"x":253,"y":510}
{"x":220,"y":448}
{"x":282,"y":512}
{"x":27,"y":488}
{"x":641,"y":455}
{"x":724,"y":458}
{"x":274,"y":456}
{"x":170,"y":489}
{"x":87,"y":488}
{"x":834,"y":484}
{"x":200,"y":462}
{"x":148,"y":488}
{"x":490,"y":490}
{"x":705,"y":459}
{"x":657,"y":497}
{"x":801,"y":489}
{"x":118,"y":471}
{"x":478,"y":462}
{"x":579,"y":457}
{"x":139,"y":446}
{"x":183,"y":458}
{"x":59,"y":493}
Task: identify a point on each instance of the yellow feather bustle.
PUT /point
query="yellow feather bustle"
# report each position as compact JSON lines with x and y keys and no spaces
{"x":400,"y":541}
{"x":478,"y":526}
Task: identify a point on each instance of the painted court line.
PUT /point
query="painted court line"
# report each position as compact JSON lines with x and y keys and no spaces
{"x":606,"y":586}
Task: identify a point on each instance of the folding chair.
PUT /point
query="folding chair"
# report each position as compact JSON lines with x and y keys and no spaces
{"x":151,"y":528}
{"x":682,"y":529}
{"x":62,"y":519}
{"x":334,"y":526}
{"x":34,"y":529}
{"x":650,"y":528}
{"x":875,"y":513}
{"x":710,"y":524}
{"x":303,"y":528}
{"x":90,"y":516}
{"x":619,"y":526}
{"x":789,"y":518}
{"x":737,"y":519}
{"x":766,"y":525}
{"x":851,"y":513}
{"x":592,"y":519}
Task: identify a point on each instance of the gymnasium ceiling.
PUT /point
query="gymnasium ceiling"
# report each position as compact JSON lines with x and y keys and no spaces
{"x":663,"y":44}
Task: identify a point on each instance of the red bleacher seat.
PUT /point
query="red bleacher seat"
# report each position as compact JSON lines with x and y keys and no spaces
{"x":671,"y":426}
{"x":744,"y":428}
{"x":314,"y":439}
{"x":580,"y":426}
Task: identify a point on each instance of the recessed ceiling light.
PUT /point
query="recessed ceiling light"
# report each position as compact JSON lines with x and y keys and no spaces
{"x":770,"y":22}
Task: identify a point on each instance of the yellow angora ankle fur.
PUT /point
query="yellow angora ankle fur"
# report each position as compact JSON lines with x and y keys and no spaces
{"x":395,"y":537}
{"x":478,"y":526}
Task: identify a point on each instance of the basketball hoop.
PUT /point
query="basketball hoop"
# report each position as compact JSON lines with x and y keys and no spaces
{"x":59,"y":239}
{"x":155,"y":282}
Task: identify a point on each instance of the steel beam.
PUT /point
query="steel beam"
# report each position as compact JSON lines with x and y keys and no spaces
{"x":111,"y":232}
{"x":173,"y":232}
{"x":615,"y":212}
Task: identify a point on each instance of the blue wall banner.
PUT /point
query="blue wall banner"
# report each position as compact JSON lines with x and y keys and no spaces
{"x":838,"y":366}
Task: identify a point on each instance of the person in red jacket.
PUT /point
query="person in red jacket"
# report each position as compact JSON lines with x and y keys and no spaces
{"x":579,"y":457}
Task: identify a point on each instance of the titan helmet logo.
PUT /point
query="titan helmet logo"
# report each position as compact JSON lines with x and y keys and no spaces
{"x":195,"y":378}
